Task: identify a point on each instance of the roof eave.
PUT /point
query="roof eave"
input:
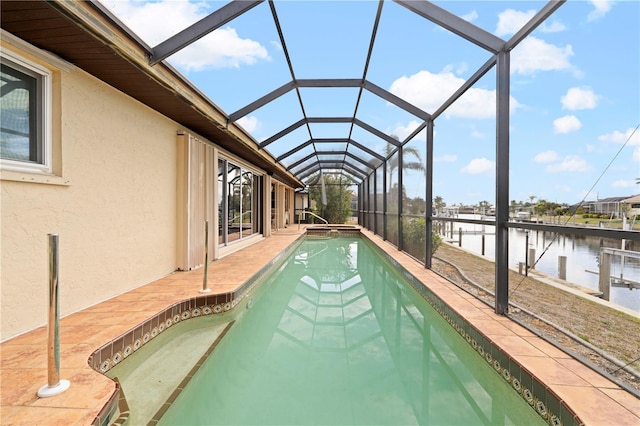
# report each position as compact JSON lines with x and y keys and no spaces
{"x":103,"y":27}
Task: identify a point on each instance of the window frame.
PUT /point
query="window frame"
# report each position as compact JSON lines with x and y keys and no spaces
{"x":223,"y":189}
{"x":44,"y":104}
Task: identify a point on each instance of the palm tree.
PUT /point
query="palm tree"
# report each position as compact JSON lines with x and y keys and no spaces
{"x":484,"y":206}
{"x":392,"y":163}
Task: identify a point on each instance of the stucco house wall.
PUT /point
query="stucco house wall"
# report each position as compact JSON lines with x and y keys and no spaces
{"x":113,"y":204}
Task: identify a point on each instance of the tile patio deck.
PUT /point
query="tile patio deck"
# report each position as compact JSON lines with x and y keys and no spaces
{"x":595,"y":399}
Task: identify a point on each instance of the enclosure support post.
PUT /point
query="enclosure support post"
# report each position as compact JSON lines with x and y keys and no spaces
{"x":526,"y":254}
{"x":399,"y":195}
{"x":373,"y":203}
{"x":370,"y":201}
{"x":384,"y":200}
{"x":54,"y":385}
{"x":428,"y":211}
{"x":502,"y":183}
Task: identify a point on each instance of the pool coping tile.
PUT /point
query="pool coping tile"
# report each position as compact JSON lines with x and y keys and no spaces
{"x":116,"y":324}
{"x":120,"y":326}
{"x":545,"y":396}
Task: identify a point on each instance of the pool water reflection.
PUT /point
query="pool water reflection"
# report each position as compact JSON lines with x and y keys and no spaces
{"x":336,"y":336}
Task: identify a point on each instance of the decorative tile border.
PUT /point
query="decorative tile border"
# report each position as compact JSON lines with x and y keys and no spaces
{"x":542,"y":399}
{"x":118,"y":350}
{"x":115,"y":403}
{"x":318,"y":233}
{"x":330,"y":232}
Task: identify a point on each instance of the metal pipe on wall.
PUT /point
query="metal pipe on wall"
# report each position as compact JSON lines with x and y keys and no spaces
{"x":54,"y":385}
{"x":205,"y":279}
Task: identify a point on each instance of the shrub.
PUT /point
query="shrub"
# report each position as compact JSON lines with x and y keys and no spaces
{"x":413,"y":233}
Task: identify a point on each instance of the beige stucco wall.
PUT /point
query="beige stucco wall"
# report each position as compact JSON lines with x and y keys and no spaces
{"x":116,"y":217}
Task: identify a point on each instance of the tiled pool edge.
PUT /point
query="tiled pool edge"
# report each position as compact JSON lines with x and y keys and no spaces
{"x":542,"y":399}
{"x":546,"y":403}
{"x":116,"y":351}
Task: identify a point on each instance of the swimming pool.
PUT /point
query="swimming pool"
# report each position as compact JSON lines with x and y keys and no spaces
{"x":338,"y":336}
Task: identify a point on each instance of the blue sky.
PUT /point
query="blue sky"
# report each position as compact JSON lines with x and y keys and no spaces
{"x":575,"y":86}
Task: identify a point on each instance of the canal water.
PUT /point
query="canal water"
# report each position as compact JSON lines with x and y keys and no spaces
{"x":582,"y":256}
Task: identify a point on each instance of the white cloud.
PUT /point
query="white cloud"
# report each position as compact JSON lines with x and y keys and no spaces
{"x":460,"y":68}
{"x":600,"y":8}
{"x":636,"y":154}
{"x":622,"y":137}
{"x":219,"y":49}
{"x":579,"y":98}
{"x":590,"y":148}
{"x":571,"y":163}
{"x":553,"y":27}
{"x":249,"y":123}
{"x":546,"y":157}
{"x":622,"y":183}
{"x":510,"y":21}
{"x":447,"y":158}
{"x":428,"y":91}
{"x":403,"y":132}
{"x":566,"y":124}
{"x":478,"y":166}
{"x":478,"y":103}
{"x":534,"y":54}
{"x":471,"y":16}
{"x":143,"y":17}
{"x":276,"y":44}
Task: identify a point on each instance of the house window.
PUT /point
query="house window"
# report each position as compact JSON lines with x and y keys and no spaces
{"x":24,"y":115}
{"x":239,"y":202}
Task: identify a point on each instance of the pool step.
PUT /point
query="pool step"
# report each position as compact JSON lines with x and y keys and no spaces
{"x":332,"y":232}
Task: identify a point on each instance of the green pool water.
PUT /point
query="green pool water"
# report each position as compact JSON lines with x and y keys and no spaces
{"x":337,"y":337}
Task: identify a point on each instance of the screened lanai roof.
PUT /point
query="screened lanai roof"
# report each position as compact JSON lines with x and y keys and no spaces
{"x":332,"y":104}
{"x":338,"y":117}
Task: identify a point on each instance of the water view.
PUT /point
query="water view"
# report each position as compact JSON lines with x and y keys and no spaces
{"x":582,"y":256}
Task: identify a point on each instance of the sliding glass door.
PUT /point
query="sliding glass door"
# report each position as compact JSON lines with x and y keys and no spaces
{"x":239,"y":202}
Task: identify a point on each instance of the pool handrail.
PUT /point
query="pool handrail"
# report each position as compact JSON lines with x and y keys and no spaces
{"x":305,"y":212}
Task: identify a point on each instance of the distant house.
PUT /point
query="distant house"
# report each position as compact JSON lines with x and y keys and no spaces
{"x":609,"y":206}
{"x":633,"y":204}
